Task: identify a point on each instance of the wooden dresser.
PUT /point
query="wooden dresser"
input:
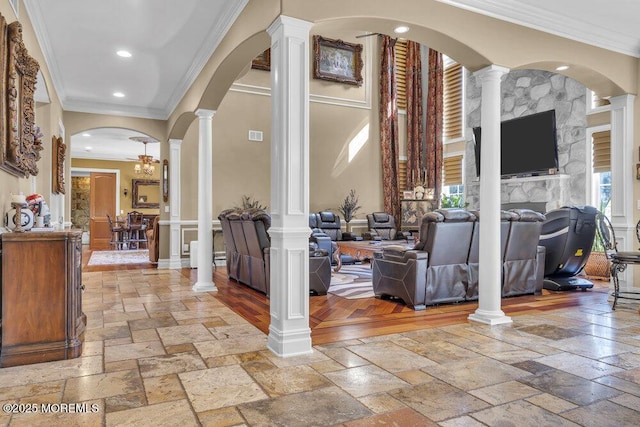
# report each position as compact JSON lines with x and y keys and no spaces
{"x":41,"y":318}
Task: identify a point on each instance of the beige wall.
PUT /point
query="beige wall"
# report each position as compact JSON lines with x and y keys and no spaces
{"x":127,"y":174}
{"x":47,"y":117}
{"x":338,"y":113}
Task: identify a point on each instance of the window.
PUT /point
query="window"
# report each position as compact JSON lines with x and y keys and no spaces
{"x":452,"y":120}
{"x":602,"y":192}
{"x":601,"y":167}
{"x":601,"y":151}
{"x":597,"y":101}
{"x":452,"y":184}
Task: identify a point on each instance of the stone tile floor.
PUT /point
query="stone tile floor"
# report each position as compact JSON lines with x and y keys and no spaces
{"x":157,"y":354}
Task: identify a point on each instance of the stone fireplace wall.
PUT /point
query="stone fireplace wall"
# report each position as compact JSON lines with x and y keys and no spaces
{"x":526,"y":92}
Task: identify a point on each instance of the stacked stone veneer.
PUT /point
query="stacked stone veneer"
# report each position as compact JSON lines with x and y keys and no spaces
{"x":80,"y":193}
{"x":526,"y":92}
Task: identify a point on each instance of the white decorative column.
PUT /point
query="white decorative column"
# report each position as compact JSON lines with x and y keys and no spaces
{"x":289,"y":332}
{"x":490,"y":261}
{"x":205,"y":202}
{"x":175,"y":239}
{"x":623,"y":156}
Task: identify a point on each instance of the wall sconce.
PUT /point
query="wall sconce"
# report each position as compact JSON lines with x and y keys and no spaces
{"x":125,"y":192}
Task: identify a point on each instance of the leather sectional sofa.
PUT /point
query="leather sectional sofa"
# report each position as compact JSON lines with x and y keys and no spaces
{"x":247,"y":246}
{"x":443,"y":266}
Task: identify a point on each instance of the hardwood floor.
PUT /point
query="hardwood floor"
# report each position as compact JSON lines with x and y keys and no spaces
{"x":333,"y":318}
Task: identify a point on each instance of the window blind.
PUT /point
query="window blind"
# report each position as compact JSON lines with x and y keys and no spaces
{"x":452,"y":174}
{"x":400,"y":51}
{"x":601,"y":151}
{"x":452,"y":101}
{"x":402,"y":175}
{"x":597,"y":101}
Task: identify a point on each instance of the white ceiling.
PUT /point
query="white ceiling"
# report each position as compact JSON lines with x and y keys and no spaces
{"x":171,"y":40}
{"x":111,"y":144}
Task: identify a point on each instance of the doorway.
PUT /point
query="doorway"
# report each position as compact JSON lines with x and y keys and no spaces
{"x":94,"y":194}
{"x":101,"y":206}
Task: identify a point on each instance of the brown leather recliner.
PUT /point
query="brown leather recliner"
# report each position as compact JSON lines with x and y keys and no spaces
{"x":248,"y":252}
{"x":436,"y":270}
{"x":250,"y":236}
{"x":231,"y":253}
{"x":382,"y":226}
{"x":329,"y":224}
{"x":523,"y":268}
{"x":474,"y":253}
{"x":522,"y":258}
{"x":153,"y":240}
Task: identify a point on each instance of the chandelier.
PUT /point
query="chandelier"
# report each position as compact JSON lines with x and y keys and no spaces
{"x":145,"y":162}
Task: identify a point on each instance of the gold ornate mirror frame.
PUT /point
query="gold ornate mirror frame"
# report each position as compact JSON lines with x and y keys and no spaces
{"x":20,"y":138}
{"x":59,"y":150}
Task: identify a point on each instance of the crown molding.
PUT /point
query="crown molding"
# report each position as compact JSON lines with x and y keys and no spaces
{"x":544,"y":20}
{"x":209,"y":45}
{"x":81,"y":106}
{"x":37,"y":20}
{"x":218,"y":31}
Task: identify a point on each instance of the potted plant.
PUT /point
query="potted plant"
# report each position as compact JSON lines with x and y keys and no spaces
{"x":452,"y":201}
{"x":250,"y":203}
{"x":349,"y":207}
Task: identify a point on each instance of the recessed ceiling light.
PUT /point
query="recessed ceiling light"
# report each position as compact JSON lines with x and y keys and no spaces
{"x":401,"y":29}
{"x":88,"y":148}
{"x":86,"y":134}
{"x":118,"y":94}
{"x":124,"y":53}
{"x":562,"y":68}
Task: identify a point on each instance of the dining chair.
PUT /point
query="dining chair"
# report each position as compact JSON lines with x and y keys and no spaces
{"x":619,"y":259}
{"x":119,"y":234}
{"x":137,"y":230}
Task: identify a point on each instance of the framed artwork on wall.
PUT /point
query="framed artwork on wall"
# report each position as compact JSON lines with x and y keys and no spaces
{"x":145,"y":194}
{"x":337,"y":61}
{"x":59,"y":152}
{"x":165,"y":180}
{"x":20,"y":138}
{"x":262,"y":61}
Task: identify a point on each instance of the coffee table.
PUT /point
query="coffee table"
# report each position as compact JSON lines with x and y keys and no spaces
{"x":363,"y":250}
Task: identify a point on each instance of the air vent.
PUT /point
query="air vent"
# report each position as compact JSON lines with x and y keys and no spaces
{"x":255,"y":135}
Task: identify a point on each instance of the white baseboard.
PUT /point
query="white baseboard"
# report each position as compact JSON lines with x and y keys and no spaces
{"x":166,"y":264}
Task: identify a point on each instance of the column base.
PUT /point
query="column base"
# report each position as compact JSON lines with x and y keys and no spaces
{"x":291,"y":343}
{"x":204,"y":287}
{"x":490,"y":317}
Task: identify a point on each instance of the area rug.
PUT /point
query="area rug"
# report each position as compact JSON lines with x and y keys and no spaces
{"x":352,"y":282}
{"x":119,"y":257}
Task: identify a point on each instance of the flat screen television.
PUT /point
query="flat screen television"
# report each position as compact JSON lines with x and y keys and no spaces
{"x":528,"y":145}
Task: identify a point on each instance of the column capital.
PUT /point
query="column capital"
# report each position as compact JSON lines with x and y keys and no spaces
{"x":175,"y":141}
{"x":492,"y":70}
{"x":621,"y":101}
{"x":204,"y":113}
{"x":289,"y":22}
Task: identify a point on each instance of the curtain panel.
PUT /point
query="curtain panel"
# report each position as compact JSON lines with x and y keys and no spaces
{"x":433,"y":161}
{"x":415,"y":134}
{"x":389,"y":129}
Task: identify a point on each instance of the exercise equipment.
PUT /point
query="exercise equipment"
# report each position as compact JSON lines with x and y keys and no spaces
{"x":567,"y":234}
